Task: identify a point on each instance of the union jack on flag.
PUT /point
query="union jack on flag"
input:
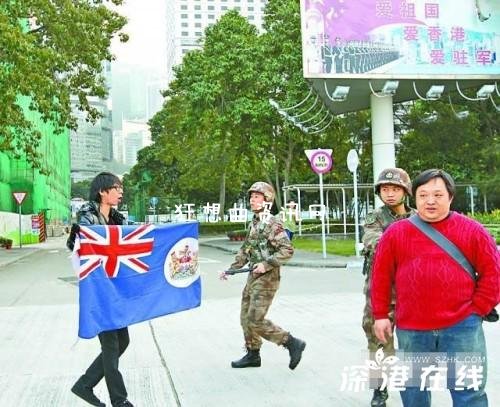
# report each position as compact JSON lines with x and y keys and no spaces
{"x":114,"y":248}
{"x":128,"y":274}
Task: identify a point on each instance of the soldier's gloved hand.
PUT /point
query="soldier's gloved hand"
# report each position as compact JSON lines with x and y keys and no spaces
{"x":259,"y":268}
{"x":70,"y":243}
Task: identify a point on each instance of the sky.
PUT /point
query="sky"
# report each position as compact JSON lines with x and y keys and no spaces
{"x":140,"y":62}
{"x":146,"y":29}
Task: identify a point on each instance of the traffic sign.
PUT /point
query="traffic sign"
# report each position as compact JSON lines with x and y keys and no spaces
{"x":352,"y":160}
{"x":321,"y":162}
{"x":19,"y":197}
{"x":320,"y":159}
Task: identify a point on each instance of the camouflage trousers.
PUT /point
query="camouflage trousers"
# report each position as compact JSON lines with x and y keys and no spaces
{"x":367,"y":323}
{"x":256,"y":299}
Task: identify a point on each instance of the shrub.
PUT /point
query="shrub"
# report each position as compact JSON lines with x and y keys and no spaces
{"x":5,"y":242}
{"x":237,"y":234}
{"x":490,"y":221}
{"x":487,"y":218}
{"x":219,"y":228}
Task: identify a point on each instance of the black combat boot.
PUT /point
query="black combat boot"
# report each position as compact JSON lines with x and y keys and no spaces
{"x":251,"y":359}
{"x":295,"y":347}
{"x":379,"y":397}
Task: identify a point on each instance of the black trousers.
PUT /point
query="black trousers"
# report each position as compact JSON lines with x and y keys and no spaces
{"x":113,"y":344}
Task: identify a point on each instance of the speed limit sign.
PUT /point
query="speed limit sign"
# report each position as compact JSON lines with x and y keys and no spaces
{"x":321,"y":160}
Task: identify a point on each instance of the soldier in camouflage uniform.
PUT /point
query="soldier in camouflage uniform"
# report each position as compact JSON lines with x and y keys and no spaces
{"x":266,"y":248}
{"x":393,"y":186}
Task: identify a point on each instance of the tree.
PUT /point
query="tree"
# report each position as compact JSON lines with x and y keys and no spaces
{"x":282,"y":74}
{"x":218,"y":133}
{"x":217,"y":126}
{"x":50,"y":50}
{"x":282,"y":71}
{"x":80,"y":189}
{"x":214,"y":108}
{"x":193,"y":147}
{"x":433,"y":137}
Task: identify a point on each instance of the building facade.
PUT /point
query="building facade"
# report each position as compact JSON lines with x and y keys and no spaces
{"x":187,"y":19}
{"x":135,"y":136}
{"x":47,"y":191}
{"x":91,"y":143}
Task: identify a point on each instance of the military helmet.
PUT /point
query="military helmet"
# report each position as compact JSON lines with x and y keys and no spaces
{"x":264,"y":188}
{"x":394,"y":176}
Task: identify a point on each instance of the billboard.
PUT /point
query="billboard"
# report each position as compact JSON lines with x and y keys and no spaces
{"x":400,"y":39}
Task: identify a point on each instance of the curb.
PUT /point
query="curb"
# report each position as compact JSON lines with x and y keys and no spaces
{"x":291,"y":263}
{"x":316,"y":265}
{"x":215,"y":246}
{"x":16,"y":258}
{"x":29,"y":249}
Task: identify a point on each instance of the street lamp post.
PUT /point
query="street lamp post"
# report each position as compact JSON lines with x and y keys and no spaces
{"x":352,"y":164}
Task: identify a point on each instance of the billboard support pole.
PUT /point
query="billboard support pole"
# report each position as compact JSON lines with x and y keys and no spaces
{"x":382,"y":136}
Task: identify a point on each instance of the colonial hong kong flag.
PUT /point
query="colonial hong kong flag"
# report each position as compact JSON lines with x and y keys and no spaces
{"x":129,"y":274}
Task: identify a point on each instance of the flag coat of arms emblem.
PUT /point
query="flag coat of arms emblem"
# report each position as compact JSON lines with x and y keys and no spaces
{"x":130,"y":274}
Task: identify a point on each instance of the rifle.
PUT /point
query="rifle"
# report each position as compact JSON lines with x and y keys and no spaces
{"x":367,"y":263}
{"x":232,"y":272}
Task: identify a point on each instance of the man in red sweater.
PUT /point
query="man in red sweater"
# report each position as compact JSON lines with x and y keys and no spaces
{"x":439,"y":306}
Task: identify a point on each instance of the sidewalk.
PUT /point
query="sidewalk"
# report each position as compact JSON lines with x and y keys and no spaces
{"x":16,"y":253}
{"x":301,"y":258}
{"x":183,"y":359}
